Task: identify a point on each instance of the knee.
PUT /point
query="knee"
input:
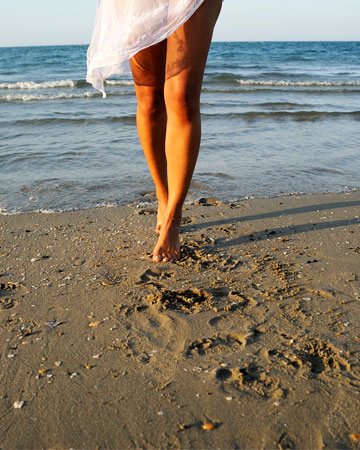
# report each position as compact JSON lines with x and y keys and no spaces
{"x":184,"y":102}
{"x":151,"y":102}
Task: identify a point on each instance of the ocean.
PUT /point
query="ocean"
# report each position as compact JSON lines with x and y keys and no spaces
{"x":278,"y":118}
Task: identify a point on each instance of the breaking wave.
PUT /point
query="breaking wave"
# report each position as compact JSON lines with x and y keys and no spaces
{"x":28,"y":85}
{"x":252,"y":82}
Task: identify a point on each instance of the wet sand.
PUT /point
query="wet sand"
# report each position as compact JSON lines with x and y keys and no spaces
{"x":250,"y":341}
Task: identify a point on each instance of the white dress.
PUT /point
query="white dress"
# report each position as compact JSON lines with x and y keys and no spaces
{"x":124,"y":27}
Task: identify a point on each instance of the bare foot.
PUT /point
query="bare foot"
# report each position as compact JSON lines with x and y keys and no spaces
{"x":161,"y":212}
{"x":167,"y":248}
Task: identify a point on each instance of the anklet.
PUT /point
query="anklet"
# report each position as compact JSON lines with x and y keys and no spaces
{"x":176,"y":220}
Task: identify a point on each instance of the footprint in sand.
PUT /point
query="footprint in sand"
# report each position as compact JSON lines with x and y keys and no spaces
{"x":251,"y":378}
{"x":153,"y":276}
{"x":196,"y":255}
{"x":286,"y":442}
{"x":240,"y":300}
{"x":108,"y":278}
{"x":193,"y":255}
{"x":187,"y":301}
{"x":323,"y":357}
{"x":215,"y":321}
{"x":156,"y":341}
{"x":233,"y":302}
{"x":9,"y":286}
{"x":5,"y":289}
{"x":7,"y":302}
{"x":218,"y":343}
{"x":316,"y":355}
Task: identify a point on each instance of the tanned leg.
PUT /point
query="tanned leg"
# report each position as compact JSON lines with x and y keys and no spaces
{"x":186,"y":56}
{"x":148,"y":68}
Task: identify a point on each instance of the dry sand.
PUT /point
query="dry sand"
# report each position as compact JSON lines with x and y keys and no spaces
{"x":253,"y":335}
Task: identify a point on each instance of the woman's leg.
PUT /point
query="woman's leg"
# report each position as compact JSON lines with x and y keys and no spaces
{"x":186,"y":56}
{"x":148,"y":68}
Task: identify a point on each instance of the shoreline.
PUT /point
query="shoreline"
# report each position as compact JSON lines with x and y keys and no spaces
{"x":152,"y":202}
{"x":251,"y":340}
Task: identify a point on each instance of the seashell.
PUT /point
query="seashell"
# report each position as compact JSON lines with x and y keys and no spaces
{"x":53,"y":323}
{"x":18,"y":404}
{"x":94,"y":324}
{"x":207,"y":426}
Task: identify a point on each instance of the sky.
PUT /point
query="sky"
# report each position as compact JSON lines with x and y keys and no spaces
{"x":44,"y":22}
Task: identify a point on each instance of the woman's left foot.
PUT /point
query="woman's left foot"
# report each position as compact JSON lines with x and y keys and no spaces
{"x":167,"y":248}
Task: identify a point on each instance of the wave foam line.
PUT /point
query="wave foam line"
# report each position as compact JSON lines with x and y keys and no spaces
{"x":37,"y":97}
{"x":34,"y":85}
{"x":46,"y":97}
{"x":261,"y":89}
{"x":296,"y":115}
{"x":252,"y":82}
{"x":28,"y":85}
{"x":76,"y":120}
{"x":119,"y":83}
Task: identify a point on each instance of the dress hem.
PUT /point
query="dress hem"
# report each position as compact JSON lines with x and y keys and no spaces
{"x":98,"y":81}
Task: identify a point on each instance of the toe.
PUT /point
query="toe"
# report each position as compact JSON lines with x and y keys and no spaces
{"x":175,"y":256}
{"x":157,"y":258}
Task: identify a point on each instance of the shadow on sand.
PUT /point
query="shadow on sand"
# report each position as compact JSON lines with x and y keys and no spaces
{"x":280,"y":231}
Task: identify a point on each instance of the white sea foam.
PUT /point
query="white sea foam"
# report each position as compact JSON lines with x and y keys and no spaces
{"x":119,"y":82}
{"x":47,"y":211}
{"x":105,"y":205}
{"x":4,"y":212}
{"x":251,"y":82}
{"x":34,"y":97}
{"x":28,"y":85}
{"x":34,"y":85}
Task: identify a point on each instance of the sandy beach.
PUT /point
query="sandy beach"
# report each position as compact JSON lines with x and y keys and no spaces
{"x":250,"y":341}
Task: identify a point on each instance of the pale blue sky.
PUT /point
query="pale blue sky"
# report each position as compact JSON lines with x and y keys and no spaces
{"x":46,"y":22}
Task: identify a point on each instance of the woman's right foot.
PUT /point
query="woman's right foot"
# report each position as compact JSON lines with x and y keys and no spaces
{"x":167,"y":248}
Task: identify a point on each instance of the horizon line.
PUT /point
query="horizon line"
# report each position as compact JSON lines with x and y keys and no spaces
{"x":217,"y":41}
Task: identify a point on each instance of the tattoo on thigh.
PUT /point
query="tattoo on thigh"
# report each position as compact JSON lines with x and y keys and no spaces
{"x":179,"y":42}
{"x":181,"y":60}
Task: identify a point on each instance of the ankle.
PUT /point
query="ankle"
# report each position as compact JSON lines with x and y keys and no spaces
{"x":171,"y":225}
{"x":162,"y":200}
{"x":175,"y":220}
{"x":174,"y":211}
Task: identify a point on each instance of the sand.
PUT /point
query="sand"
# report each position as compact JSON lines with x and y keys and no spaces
{"x":251,"y":341}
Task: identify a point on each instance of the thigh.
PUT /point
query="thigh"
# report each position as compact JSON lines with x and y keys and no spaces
{"x":148,"y":66}
{"x":188,"y":47}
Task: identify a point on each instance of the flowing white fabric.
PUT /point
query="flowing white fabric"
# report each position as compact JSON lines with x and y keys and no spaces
{"x":124,"y":27}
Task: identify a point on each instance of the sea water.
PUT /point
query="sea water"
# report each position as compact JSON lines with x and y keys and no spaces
{"x":277,"y":118}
